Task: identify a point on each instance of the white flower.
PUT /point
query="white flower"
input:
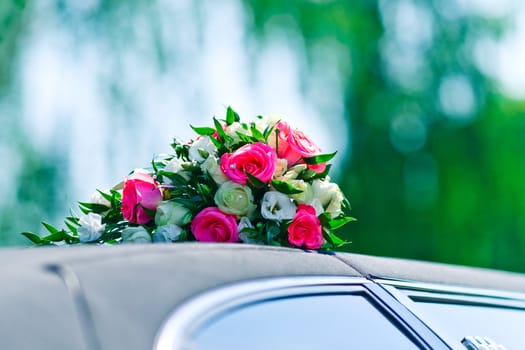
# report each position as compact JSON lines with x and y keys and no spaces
{"x":97,"y":198}
{"x":234,"y":198}
{"x":330,"y":196}
{"x":277,"y":206}
{"x":293,"y":172}
{"x":280,"y":169}
{"x":167,"y":233}
{"x":135,"y":234}
{"x":317,"y":206}
{"x":244,"y":222}
{"x":304,"y":197}
{"x":234,"y":128}
{"x":169,"y":212}
{"x":175,"y":166}
{"x":201,"y":148}
{"x":91,"y":227}
{"x":334,"y":207}
{"x":140,"y":171}
{"x":324,"y":190}
{"x":211,"y":166}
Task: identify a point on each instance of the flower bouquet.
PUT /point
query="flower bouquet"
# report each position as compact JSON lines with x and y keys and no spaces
{"x":262,"y":182}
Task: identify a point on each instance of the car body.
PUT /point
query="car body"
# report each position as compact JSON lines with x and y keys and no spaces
{"x":188,"y":295}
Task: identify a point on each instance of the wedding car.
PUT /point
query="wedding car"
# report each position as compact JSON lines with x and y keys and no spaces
{"x":241,"y":296}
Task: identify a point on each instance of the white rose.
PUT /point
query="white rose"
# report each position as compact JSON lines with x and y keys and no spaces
{"x":244,"y":222}
{"x":91,"y":227}
{"x":201,"y":148}
{"x":212,"y":167}
{"x":169,"y":212}
{"x":280,"y":169}
{"x":277,"y":206}
{"x":167,"y":233}
{"x":330,"y":196}
{"x":234,"y":198}
{"x":135,"y":234}
{"x":324,"y":190}
{"x":233,"y":129}
{"x":334,"y":207}
{"x":304,"y":197}
{"x":97,"y":198}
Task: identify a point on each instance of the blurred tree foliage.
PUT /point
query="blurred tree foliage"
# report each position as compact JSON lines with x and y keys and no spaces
{"x":437,"y":160}
{"x":40,"y":183}
{"x":438,"y":154}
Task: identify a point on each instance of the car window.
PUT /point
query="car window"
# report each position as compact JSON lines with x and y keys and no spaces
{"x":456,"y":313}
{"x":504,"y":325}
{"x":331,"y":321}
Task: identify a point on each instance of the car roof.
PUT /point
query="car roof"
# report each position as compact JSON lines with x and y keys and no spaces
{"x":131,"y":289}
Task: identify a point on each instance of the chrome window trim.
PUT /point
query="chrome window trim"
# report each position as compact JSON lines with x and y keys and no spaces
{"x":195,"y":312}
{"x":451,"y":289}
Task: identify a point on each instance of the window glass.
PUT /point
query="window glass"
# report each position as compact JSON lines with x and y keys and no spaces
{"x":503,"y":325}
{"x":332,"y":321}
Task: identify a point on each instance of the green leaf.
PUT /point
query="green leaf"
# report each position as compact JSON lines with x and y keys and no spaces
{"x":246,"y":138}
{"x":59,"y":236}
{"x":205,"y":192}
{"x":72,"y":228}
{"x":177,"y":179}
{"x":52,"y":229}
{"x":220,"y":131}
{"x":188,"y":203}
{"x":345,"y":206}
{"x":254,"y":180}
{"x":106,"y":196}
{"x":285,"y":187}
{"x":337,"y":241}
{"x":203,"y":153}
{"x":231,"y":116}
{"x":328,"y":237}
{"x":269,"y":130}
{"x":204,"y":131}
{"x":323,"y":174}
{"x":94,"y":207}
{"x":186,"y":219}
{"x":73,"y":220}
{"x":257,"y":134}
{"x":34,"y":238}
{"x":272,"y":231}
{"x":336,"y":223}
{"x":308,"y":174}
{"x":154,"y":165}
{"x":320,"y":158}
{"x":325,"y":219}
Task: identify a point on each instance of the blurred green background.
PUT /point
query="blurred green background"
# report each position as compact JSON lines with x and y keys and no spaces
{"x":425,"y":99}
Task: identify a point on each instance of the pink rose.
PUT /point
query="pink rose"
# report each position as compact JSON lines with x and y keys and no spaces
{"x":212,"y":225}
{"x":293,"y":145}
{"x":141,"y":194}
{"x":305,"y":229}
{"x":257,"y":159}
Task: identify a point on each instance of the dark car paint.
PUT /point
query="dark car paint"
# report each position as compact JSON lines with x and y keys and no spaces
{"x":118,"y":297}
